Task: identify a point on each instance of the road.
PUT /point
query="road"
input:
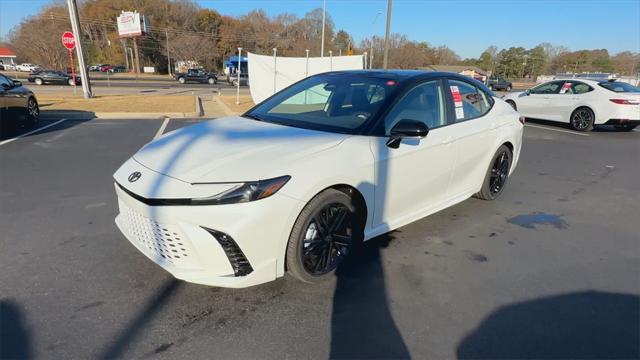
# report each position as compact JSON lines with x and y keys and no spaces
{"x":551,"y":269}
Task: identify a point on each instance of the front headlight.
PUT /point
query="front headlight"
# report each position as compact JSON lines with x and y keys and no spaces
{"x":245,"y":192}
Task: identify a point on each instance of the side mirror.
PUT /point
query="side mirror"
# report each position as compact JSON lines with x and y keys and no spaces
{"x":527,"y":92}
{"x":406,"y":129}
{"x":17,"y":83}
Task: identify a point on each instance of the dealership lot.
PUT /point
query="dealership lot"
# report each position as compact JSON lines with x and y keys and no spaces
{"x":548,"y":270}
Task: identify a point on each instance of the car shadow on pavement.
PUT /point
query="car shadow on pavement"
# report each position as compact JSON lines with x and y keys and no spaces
{"x":133,"y":329}
{"x":72,"y":119}
{"x":15,"y":342}
{"x":362,"y":326}
{"x":579,"y":325}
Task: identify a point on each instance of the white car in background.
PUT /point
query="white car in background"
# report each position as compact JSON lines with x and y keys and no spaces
{"x":581,"y":103}
{"x":301,"y":179}
{"x":26,"y":67}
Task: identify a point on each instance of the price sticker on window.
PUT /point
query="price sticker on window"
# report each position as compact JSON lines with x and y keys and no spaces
{"x":457,"y":98}
{"x":565,"y":87}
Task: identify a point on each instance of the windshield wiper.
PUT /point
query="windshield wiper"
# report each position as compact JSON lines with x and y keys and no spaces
{"x":254,"y":117}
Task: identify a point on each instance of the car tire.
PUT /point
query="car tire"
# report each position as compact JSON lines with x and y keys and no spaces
{"x":212,"y":81}
{"x":497,"y":174}
{"x":33,"y":111}
{"x":508,"y":88}
{"x":491,"y":88}
{"x":314,"y":251}
{"x":71,"y":82}
{"x":234,"y":82}
{"x":182,"y":80}
{"x":582,"y":119}
{"x":38,"y":81}
{"x":513,"y":104}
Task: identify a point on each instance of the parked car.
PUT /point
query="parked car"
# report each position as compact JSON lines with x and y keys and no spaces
{"x":1,"y":67}
{"x":18,"y":105}
{"x":53,"y":77}
{"x":296,"y":183}
{"x":233,"y":79}
{"x":26,"y":67}
{"x":96,"y":67}
{"x":499,"y":83}
{"x":9,"y":67}
{"x":582,"y":104}
{"x":196,"y":75}
{"x":105,"y":67}
{"x":118,"y":69}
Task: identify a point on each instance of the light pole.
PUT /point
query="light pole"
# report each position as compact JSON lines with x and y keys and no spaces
{"x":238,"y":84}
{"x":324,"y":10}
{"x":275,"y":71}
{"x":371,"y":45}
{"x":75,"y":26}
{"x":385,"y":59}
{"x":306,"y":70}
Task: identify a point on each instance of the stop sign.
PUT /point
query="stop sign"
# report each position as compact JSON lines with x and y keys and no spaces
{"x":68,"y":40}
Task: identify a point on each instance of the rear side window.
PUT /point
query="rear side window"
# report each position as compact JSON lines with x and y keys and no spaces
{"x":469,"y":101}
{"x":619,"y":87}
{"x":580,"y":88}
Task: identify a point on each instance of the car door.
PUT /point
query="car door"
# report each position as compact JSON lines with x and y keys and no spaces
{"x":12,"y":100}
{"x":4,"y":87}
{"x":412,"y":180}
{"x":571,"y":95}
{"x":535,"y":102}
{"x":473,"y":134}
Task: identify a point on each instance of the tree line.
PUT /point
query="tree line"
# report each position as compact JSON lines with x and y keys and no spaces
{"x":545,"y":58}
{"x":186,"y":31}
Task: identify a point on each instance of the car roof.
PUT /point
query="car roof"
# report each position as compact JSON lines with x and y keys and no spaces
{"x":407,"y":76}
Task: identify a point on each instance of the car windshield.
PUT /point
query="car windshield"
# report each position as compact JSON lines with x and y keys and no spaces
{"x":341,"y":104}
{"x":619,"y":87}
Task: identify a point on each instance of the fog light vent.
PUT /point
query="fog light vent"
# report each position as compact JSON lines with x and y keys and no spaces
{"x":239,"y":262}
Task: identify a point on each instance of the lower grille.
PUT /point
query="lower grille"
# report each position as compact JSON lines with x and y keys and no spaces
{"x":239,"y":262}
{"x":161,"y":240}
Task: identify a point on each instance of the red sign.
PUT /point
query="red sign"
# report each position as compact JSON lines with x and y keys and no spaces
{"x":457,"y":98}
{"x":68,"y":40}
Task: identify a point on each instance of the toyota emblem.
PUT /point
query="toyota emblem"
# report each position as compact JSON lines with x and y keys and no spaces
{"x":134,"y":176}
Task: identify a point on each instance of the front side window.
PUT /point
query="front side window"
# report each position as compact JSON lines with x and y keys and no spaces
{"x":330,"y":103}
{"x":548,"y":88}
{"x":469,"y":102}
{"x":424,"y":102}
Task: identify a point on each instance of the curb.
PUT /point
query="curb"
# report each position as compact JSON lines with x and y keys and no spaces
{"x":87,"y":115}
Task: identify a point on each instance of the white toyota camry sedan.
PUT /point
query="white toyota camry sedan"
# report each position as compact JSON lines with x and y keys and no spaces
{"x":297,"y":182}
{"x":581,"y":103}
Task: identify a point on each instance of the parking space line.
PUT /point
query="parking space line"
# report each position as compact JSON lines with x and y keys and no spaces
{"x":558,"y":130}
{"x":162,"y":127}
{"x":31,"y":132}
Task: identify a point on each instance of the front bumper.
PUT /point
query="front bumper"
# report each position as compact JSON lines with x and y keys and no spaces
{"x":180,"y":240}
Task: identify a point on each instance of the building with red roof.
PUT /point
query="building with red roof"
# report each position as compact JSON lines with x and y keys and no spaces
{"x":7,"y":56}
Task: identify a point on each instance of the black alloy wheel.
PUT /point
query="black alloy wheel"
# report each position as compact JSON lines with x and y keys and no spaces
{"x":497,"y":175}
{"x":33,"y":111}
{"x":327,"y":239}
{"x":327,"y":231}
{"x":582,"y":119}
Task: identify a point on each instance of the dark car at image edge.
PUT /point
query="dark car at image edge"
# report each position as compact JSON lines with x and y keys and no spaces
{"x":53,"y":77}
{"x":17,"y":104}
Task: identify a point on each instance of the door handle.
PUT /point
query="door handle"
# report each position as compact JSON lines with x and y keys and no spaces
{"x":447,"y":140}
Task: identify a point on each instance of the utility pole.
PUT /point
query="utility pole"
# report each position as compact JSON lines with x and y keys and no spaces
{"x":324,"y":10}
{"x":135,"y":51}
{"x":126,"y":54}
{"x":166,"y":34}
{"x":385,"y":59}
{"x":75,"y":26}
{"x":371,"y":44}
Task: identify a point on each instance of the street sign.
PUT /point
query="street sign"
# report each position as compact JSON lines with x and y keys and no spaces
{"x":68,"y":40}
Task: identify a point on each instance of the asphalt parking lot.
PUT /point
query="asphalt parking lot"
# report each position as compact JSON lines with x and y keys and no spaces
{"x":550,"y":270}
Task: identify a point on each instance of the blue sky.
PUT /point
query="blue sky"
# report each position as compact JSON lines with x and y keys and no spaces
{"x":466,"y":26}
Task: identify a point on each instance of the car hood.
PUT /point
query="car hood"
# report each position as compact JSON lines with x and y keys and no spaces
{"x":232,"y":149}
